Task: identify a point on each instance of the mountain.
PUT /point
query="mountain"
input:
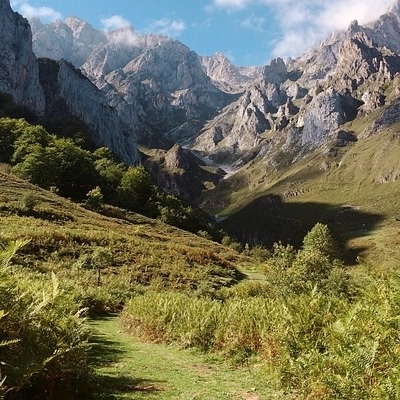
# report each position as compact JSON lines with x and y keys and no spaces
{"x":56,"y":91}
{"x":291,"y":132}
{"x":19,"y":75}
{"x":226,"y":75}
{"x":157,"y":84}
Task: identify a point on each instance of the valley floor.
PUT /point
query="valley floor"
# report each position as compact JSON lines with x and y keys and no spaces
{"x":130,"y":369}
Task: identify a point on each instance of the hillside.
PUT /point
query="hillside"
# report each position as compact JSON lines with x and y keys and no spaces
{"x":80,"y":245}
{"x":354,"y":189}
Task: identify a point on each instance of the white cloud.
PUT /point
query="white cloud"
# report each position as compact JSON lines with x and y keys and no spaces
{"x":306,"y":22}
{"x":232,"y":3}
{"x":166,"y":27}
{"x":126,"y":37}
{"x":120,"y":31}
{"x":115,"y":22}
{"x":46,"y":14}
{"x":254,"y":23}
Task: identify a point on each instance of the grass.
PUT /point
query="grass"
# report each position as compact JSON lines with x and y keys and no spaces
{"x":119,"y":250}
{"x":139,"y":370}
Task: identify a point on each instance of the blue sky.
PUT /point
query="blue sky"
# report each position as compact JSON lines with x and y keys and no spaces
{"x":249,"y":32}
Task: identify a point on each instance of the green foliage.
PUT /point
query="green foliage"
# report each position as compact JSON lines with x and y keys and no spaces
{"x":136,"y":190}
{"x":312,"y":345}
{"x":10,"y":130}
{"x":61,"y":165}
{"x":42,"y":332}
{"x":29,"y":202}
{"x":95,"y":199}
{"x":315,"y":265}
{"x":320,"y":240}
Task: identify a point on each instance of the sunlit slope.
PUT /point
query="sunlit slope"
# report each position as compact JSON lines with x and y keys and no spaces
{"x":125,"y":249}
{"x":354,"y":189}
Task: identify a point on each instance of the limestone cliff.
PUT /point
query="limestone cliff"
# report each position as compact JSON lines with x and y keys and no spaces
{"x":18,"y":66}
{"x":69,"y":93}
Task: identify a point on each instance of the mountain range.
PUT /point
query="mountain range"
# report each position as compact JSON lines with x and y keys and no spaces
{"x":243,"y":143}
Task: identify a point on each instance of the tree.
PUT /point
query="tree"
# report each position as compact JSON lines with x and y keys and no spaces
{"x":10,"y":131}
{"x":137,"y":191}
{"x":61,"y":164}
{"x":317,"y":262}
{"x":320,"y":240}
{"x":31,"y":136}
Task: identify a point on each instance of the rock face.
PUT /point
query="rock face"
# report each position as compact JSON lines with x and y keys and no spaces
{"x":53,"y":90}
{"x":227,"y":76}
{"x":18,"y":66}
{"x":321,"y":118}
{"x":181,"y":173}
{"x":69,"y":93}
{"x":157,"y":84}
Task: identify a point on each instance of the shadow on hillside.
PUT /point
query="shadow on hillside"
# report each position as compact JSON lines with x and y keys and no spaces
{"x":107,"y":384}
{"x":268,"y":219}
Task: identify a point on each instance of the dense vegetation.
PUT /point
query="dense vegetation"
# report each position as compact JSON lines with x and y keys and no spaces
{"x":317,"y":333}
{"x":43,"y":335}
{"x":60,"y":164}
{"x":317,"y":328}
{"x":75,"y":263}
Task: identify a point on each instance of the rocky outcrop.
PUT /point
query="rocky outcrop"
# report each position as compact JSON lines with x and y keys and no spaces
{"x":276,"y":72}
{"x":227,"y":76}
{"x":18,"y":66}
{"x":69,"y":93}
{"x":321,"y":117}
{"x":179,"y":172}
{"x":389,"y":117}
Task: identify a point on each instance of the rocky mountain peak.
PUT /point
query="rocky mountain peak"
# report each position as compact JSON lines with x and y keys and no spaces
{"x":395,"y":7}
{"x":177,"y":157}
{"x":226,"y":75}
{"x":276,"y":72}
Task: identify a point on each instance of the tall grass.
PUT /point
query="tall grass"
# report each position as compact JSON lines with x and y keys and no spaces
{"x":312,"y":345}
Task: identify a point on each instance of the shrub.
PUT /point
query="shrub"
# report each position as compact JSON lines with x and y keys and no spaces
{"x":94,"y":199}
{"x":29,"y":202}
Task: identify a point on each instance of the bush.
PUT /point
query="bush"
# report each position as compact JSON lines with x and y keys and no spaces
{"x":29,"y":202}
{"x":315,"y":265}
{"x":94,"y":199}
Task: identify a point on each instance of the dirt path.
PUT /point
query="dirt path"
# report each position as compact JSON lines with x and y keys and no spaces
{"x":127,"y":369}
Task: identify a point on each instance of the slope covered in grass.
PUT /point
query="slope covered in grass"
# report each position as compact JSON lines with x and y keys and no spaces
{"x":107,"y":256}
{"x":355,"y":190}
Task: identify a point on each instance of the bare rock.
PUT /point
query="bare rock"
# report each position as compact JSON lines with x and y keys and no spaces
{"x":19,"y":75}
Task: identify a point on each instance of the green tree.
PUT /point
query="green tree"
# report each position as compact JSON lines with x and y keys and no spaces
{"x":137,"y":191}
{"x":110,"y":172}
{"x":61,"y":164}
{"x":31,"y":136}
{"x":317,"y":263}
{"x":10,"y":131}
{"x":320,"y":240}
